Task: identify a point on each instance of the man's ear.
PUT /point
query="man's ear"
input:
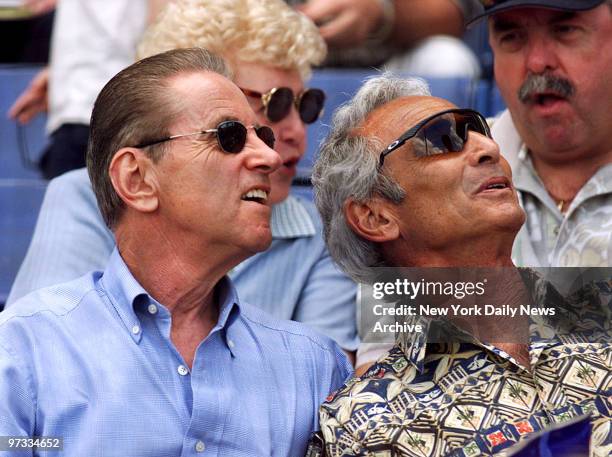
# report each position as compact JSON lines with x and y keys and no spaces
{"x":373,"y":220}
{"x":134,"y":179}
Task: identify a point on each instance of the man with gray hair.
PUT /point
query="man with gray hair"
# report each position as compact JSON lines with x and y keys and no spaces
{"x":409,"y":180}
{"x":156,"y":355}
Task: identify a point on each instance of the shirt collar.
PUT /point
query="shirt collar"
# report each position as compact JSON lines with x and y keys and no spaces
{"x":124,"y":292}
{"x":414,"y":344}
{"x":290,"y":219}
{"x":525,"y":177}
{"x":127,"y":295}
{"x":229,"y":310}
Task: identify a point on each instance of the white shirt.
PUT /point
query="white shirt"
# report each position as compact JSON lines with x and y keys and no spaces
{"x":580,"y":238}
{"x":92,"y":41}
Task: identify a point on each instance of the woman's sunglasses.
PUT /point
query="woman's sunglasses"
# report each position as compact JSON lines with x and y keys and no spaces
{"x":443,"y":132}
{"x":277,"y":103}
{"x":231,"y":136}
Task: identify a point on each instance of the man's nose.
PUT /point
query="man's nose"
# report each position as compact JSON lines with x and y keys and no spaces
{"x":540,"y":55}
{"x":261,"y":157}
{"x":482,"y":149}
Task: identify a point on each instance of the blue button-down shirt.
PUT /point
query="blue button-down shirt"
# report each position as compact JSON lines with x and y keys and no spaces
{"x":91,"y":361}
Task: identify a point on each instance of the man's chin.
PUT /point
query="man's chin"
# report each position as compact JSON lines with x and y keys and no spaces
{"x":260,"y":243}
{"x":512,"y":219}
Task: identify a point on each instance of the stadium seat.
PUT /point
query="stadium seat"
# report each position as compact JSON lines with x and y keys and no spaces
{"x":21,"y":188}
{"x":20,"y":200}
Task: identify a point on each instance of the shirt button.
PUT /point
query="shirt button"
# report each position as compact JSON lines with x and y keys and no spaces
{"x":231,"y":344}
{"x":136,"y":329}
{"x":182,"y":370}
{"x":152,"y":308}
{"x":556,"y":230}
{"x":200,"y":446}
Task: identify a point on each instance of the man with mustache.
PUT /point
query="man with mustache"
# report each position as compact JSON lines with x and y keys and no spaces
{"x":553,"y":59}
{"x":409,"y":180}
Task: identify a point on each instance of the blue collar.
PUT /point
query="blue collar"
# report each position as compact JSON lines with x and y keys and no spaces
{"x":127,"y":296}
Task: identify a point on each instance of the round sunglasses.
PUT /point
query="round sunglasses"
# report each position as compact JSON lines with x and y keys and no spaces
{"x":278,"y":100}
{"x":231,"y":136}
{"x":443,"y":132}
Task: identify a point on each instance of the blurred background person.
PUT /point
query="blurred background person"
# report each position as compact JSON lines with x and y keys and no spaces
{"x":91,"y":41}
{"x":411,"y":36}
{"x":25,"y":31}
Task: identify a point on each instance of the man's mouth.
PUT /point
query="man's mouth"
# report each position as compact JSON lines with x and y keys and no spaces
{"x":494,"y":184}
{"x":545,"y":89}
{"x":289,"y":167}
{"x":256,"y":195}
{"x":546,"y":99}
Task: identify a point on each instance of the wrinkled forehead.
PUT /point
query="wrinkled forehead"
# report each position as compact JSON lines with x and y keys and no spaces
{"x":390,"y":120}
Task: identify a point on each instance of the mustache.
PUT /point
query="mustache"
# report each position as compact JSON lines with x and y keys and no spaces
{"x":535,"y":84}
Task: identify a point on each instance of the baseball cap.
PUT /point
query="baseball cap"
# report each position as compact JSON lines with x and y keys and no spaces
{"x":488,"y":7}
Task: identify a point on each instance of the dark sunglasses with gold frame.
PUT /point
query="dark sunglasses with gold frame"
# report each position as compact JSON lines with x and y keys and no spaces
{"x":278,"y":100}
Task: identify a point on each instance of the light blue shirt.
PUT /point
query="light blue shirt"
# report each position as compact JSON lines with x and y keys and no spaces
{"x":91,"y":361}
{"x":294,"y":279}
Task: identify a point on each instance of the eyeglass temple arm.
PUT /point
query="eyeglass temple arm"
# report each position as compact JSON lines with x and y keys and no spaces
{"x":397,"y":143}
{"x":251,"y":93}
{"x":173,"y":137}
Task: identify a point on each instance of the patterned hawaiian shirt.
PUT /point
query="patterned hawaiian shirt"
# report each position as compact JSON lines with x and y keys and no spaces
{"x":469,"y":399}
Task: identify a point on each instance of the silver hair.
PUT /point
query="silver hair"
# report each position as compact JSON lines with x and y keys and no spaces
{"x":347,"y":168}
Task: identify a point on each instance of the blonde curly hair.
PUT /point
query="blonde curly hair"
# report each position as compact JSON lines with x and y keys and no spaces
{"x":260,"y":31}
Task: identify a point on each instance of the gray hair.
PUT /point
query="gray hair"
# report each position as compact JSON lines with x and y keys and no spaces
{"x":347,"y":168}
{"x":136,"y":106}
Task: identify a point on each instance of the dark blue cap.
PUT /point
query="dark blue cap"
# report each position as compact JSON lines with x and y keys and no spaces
{"x":489,"y":7}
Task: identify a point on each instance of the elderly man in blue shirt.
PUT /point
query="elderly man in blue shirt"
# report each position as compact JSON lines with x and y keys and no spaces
{"x":271,"y":49}
{"x":156,"y":355}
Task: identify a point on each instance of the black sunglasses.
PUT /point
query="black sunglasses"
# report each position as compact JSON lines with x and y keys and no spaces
{"x":277,"y":103}
{"x":231,"y":136}
{"x":446,"y":131}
